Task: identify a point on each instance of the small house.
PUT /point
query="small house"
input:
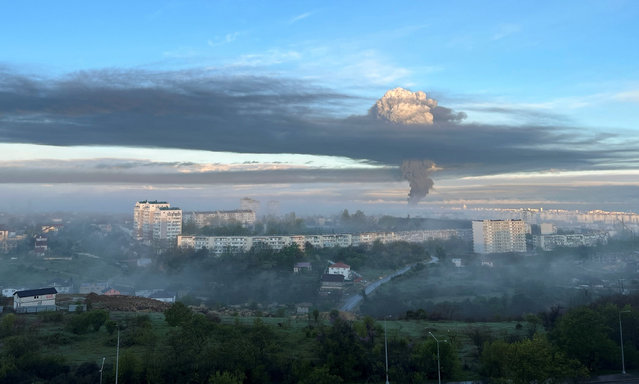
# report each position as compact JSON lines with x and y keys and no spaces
{"x":163,"y":296}
{"x":331,"y":284}
{"x":302,"y":267}
{"x":43,"y":297}
{"x":340,"y":269}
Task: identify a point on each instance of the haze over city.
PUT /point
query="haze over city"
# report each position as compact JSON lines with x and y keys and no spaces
{"x":246,"y":192}
{"x":503,"y":105}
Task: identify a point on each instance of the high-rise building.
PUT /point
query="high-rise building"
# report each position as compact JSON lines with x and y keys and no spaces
{"x":499,"y":236}
{"x":246,"y":203}
{"x":156,"y":220}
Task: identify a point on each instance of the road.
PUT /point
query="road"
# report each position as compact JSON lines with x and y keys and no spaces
{"x":352,"y":302}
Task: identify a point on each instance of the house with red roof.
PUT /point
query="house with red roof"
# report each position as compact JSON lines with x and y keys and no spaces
{"x":340,"y":268}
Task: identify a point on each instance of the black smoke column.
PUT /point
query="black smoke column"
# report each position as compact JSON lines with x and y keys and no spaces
{"x":417,"y":172}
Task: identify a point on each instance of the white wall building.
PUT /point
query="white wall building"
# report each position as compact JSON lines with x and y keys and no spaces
{"x":156,"y":220}
{"x":340,"y":269}
{"x":167,"y":223}
{"x":550,"y":242}
{"x":548,"y":228}
{"x":222,"y":244}
{"x":34,"y":298}
{"x":499,"y":236}
{"x":213,"y":218}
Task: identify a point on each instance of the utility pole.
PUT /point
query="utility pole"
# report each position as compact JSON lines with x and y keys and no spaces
{"x":117,"y":357}
{"x":439,"y":372}
{"x":101,"y":369}
{"x":386,"y":350}
{"x":623,"y":360}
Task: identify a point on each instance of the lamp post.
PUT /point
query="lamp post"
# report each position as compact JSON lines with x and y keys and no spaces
{"x":386,"y":350}
{"x":623,"y":360}
{"x":439,"y":375}
{"x":101,"y":369}
{"x":117,"y":357}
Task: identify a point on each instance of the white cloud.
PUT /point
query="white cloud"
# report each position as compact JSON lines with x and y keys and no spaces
{"x":226,"y":39}
{"x":506,"y":30}
{"x":270,"y":57}
{"x":300,"y":17}
{"x":628,"y":96}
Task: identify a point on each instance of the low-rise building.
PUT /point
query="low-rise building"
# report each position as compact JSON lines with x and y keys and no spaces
{"x":302,"y":267}
{"x":331,"y":284}
{"x":550,"y":242}
{"x":41,"y":245}
{"x":340,"y":269}
{"x":43,"y":297}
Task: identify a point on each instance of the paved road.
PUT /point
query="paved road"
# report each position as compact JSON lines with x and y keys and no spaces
{"x":352,"y":302}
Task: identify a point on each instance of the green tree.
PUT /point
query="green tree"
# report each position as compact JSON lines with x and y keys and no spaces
{"x":178,"y":314}
{"x":226,"y":378}
{"x":321,"y":375}
{"x":529,"y":361}
{"x":96,"y":318}
{"x":582,"y":334}
{"x":130,"y":368}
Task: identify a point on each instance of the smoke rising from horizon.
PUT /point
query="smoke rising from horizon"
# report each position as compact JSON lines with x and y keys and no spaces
{"x":418,"y":172}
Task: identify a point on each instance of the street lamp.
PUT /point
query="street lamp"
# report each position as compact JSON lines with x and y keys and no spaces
{"x":386,"y":350}
{"x":623,"y":361}
{"x":117,"y":356}
{"x":439,"y":374}
{"x":101,"y":369}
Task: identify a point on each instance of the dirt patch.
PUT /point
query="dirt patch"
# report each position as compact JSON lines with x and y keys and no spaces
{"x":125,"y":303}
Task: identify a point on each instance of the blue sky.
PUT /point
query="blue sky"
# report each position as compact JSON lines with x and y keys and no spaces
{"x":566,"y":68}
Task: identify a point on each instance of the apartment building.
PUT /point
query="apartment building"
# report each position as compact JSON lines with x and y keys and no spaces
{"x":499,"y":236}
{"x":156,"y":220}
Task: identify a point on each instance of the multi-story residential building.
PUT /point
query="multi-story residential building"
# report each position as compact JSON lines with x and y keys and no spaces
{"x":499,"y":236}
{"x":213,"y":218}
{"x":222,"y":244}
{"x":156,"y":220}
{"x":550,"y":242}
{"x":167,"y":223}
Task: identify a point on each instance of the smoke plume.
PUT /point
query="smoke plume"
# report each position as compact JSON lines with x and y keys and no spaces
{"x":418,"y":172}
{"x":401,"y":106}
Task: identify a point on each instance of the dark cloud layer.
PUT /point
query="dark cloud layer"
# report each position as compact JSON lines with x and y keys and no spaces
{"x":12,"y":175}
{"x":200,"y":110}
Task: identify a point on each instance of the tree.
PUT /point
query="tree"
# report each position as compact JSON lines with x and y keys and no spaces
{"x":226,"y":378}
{"x":529,"y":361}
{"x":582,"y":334}
{"x":321,"y":375}
{"x":178,"y":314}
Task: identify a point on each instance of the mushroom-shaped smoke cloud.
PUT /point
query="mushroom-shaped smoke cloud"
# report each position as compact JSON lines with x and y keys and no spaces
{"x":401,"y":106}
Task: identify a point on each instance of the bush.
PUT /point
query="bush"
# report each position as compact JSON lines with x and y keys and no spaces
{"x":51,"y":316}
{"x":178,"y":314}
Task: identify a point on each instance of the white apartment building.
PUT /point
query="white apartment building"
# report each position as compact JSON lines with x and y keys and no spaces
{"x":156,"y":220}
{"x":242,"y":216}
{"x":499,"y":236}
{"x":550,"y":242}
{"x":167,"y":223}
{"x":232,"y":244}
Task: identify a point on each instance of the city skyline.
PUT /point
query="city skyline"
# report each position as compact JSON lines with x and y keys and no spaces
{"x":203,"y":103}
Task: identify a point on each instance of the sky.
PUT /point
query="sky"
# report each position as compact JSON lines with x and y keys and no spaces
{"x":525,"y":104}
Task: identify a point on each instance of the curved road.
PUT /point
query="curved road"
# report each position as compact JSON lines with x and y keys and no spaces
{"x":353,"y":302}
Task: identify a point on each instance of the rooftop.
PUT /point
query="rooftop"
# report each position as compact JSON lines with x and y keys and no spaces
{"x":36,"y":292}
